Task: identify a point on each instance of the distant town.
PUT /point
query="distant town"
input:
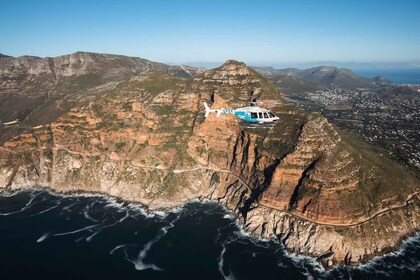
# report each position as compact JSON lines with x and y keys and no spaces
{"x":390,"y":119}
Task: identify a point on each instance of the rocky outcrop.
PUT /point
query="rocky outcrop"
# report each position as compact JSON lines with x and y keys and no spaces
{"x":320,"y":191}
{"x":36,"y":90}
{"x":81,"y":63}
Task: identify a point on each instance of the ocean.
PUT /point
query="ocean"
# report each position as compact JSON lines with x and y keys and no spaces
{"x":397,"y":76}
{"x":45,"y":236}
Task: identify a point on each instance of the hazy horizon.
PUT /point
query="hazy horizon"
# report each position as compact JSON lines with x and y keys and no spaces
{"x":280,"y":65}
{"x":309,"y":64}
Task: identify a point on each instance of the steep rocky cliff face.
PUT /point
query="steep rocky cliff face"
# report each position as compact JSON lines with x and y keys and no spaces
{"x":36,"y":90}
{"x":320,"y":191}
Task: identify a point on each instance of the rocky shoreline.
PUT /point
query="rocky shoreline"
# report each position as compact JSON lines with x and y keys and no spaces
{"x":252,"y":226}
{"x":320,"y":191}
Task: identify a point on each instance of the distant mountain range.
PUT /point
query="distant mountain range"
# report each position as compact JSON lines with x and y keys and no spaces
{"x":352,"y":65}
{"x":348,"y":65}
{"x":304,"y":78}
{"x":321,"y":76}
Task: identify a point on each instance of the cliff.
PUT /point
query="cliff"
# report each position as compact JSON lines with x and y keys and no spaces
{"x":320,"y":191}
{"x":36,"y":90}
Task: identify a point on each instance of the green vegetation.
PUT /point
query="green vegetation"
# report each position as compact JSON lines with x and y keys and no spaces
{"x":120,"y":145}
{"x":158,"y":84}
{"x":215,"y":178}
{"x":292,"y":86}
{"x":84,"y":82}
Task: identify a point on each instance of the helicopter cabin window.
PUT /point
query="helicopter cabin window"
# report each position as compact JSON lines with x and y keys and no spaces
{"x":260,"y":115}
{"x":265,"y":115}
{"x":271,"y":114}
{"x":254,"y":115}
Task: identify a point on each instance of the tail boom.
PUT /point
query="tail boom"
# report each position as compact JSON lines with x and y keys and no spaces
{"x":208,"y":110}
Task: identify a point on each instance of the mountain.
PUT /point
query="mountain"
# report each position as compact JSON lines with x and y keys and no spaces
{"x":381,"y":80}
{"x":288,"y":84}
{"x":38,"y":90}
{"x":323,"y":76}
{"x":318,"y":190}
{"x":352,"y":65}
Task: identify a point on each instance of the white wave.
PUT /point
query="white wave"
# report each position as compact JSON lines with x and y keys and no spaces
{"x":175,"y":210}
{"x":44,"y":211}
{"x":154,"y":213}
{"x":305,"y":262}
{"x":120,"y":220}
{"x":76,"y":231}
{"x":307,"y":274}
{"x":258,"y":241}
{"x":137,"y":208}
{"x":116,"y":248}
{"x":379,"y":261}
{"x":139,"y":261}
{"x":140,"y":265}
{"x":80,"y":239}
{"x":110,"y":202}
{"x":11,"y":193}
{"x":160,"y":214}
{"x":228,"y":276}
{"x":68,"y":207}
{"x":308,"y":266}
{"x":89,"y":217}
{"x":90,"y":237}
{"x":281,"y":264}
{"x":76,"y":195}
{"x":228,"y":216}
{"x":114,"y":203}
{"x":43,"y":237}
{"x":27,"y":205}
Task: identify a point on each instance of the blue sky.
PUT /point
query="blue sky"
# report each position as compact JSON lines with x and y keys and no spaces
{"x":257,"y":32}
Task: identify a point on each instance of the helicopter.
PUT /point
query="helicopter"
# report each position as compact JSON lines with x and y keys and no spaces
{"x":252,"y":116}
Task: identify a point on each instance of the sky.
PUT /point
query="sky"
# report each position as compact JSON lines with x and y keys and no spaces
{"x":257,"y":32}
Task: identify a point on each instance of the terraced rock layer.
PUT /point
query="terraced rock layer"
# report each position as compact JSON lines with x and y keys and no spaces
{"x":320,"y":191}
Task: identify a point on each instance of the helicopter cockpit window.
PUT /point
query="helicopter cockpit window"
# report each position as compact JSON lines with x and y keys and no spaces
{"x":260,"y":115}
{"x":271,"y":115}
{"x":254,"y":115}
{"x":265,"y":115}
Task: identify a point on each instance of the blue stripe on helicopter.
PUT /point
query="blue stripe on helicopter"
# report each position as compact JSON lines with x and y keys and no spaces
{"x":246,"y":116}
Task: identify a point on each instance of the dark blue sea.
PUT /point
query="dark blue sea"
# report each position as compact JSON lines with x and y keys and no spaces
{"x":397,"y":76}
{"x":44,"y":236}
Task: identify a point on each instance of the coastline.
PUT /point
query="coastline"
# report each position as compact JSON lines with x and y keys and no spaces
{"x":397,"y":76}
{"x":245,"y":231}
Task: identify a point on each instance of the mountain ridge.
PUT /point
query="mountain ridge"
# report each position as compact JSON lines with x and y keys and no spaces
{"x":325,"y":76}
{"x":46,"y":88}
{"x":318,"y":190}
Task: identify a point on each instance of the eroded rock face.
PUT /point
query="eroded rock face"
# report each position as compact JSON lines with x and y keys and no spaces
{"x":320,"y":191}
{"x":36,"y":90}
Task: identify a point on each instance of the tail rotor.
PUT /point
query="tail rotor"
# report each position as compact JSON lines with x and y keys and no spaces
{"x":208,"y":110}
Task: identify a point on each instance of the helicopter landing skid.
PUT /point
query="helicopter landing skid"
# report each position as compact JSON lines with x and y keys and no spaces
{"x":257,"y":125}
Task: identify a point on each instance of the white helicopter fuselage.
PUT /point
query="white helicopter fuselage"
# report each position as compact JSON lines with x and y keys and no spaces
{"x":252,"y":114}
